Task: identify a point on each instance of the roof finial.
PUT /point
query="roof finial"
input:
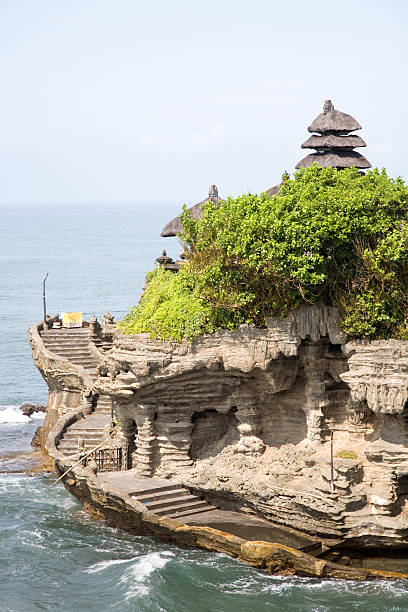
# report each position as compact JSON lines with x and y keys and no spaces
{"x":213,"y":191}
{"x":327,"y":106}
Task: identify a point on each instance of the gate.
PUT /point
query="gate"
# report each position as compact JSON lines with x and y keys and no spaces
{"x":107,"y":459}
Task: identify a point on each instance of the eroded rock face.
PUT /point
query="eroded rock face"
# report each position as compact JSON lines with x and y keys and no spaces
{"x":245,"y":418}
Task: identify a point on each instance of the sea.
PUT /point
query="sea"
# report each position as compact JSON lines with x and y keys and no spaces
{"x":53,"y":556}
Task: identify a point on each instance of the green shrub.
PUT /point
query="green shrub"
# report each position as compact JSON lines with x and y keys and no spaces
{"x":336,"y":237}
{"x":169,"y":309}
{"x":333,"y":236}
{"x":346,"y":454}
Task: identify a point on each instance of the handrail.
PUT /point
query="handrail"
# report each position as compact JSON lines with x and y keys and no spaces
{"x":81,"y":459}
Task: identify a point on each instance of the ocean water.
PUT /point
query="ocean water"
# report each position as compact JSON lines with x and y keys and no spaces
{"x":52,"y":555}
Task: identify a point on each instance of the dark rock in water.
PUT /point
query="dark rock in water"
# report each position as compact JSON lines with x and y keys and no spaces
{"x":29,"y":409}
{"x":37,"y":438}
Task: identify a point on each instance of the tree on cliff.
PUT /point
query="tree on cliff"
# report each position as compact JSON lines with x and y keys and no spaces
{"x":330,"y":236}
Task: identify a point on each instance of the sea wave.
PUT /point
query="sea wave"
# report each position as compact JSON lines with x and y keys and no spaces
{"x":13,"y":414}
{"x":136,"y":576}
{"x":102,"y":565}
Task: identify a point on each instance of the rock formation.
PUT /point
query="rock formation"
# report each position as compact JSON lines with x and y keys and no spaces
{"x":245,"y":419}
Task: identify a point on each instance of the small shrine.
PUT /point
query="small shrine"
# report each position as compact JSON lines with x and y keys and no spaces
{"x":167,"y":263}
{"x":332,"y":141}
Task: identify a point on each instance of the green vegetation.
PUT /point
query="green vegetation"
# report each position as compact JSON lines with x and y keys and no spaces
{"x":169,"y":308}
{"x":335,"y":237}
{"x":346,"y":454}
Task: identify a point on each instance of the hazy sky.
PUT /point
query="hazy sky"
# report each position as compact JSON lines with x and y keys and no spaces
{"x":155,"y":100}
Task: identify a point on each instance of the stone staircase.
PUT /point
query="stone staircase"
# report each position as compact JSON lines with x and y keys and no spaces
{"x":87,"y":431}
{"x":170,"y":500}
{"x":72,"y":344}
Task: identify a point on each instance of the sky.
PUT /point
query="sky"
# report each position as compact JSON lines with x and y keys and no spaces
{"x":124,"y":100}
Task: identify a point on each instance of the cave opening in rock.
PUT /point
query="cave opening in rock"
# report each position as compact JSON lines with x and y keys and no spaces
{"x":212,"y":431}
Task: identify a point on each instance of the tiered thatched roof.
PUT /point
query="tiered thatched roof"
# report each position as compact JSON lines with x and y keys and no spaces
{"x":334,"y":145}
{"x":173,"y":227}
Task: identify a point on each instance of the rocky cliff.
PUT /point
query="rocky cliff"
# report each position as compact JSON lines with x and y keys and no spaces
{"x":245,"y":418}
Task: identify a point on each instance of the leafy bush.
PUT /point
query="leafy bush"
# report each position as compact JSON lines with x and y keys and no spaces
{"x":338,"y":237}
{"x":346,"y":454}
{"x":169,"y":309}
{"x":333,"y":236}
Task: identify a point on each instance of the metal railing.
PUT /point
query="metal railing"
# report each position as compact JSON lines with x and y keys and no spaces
{"x":106,"y":459}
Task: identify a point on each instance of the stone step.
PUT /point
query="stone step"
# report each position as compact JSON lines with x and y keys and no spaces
{"x":78,"y":355}
{"x":93,"y":439}
{"x":62,"y":331}
{"x":79,"y":360}
{"x":76,"y":358}
{"x":154,"y":506}
{"x":71,"y":449}
{"x":156,"y":489}
{"x":91,"y":429}
{"x":176,"y":515}
{"x":69,"y":436}
{"x":93,"y":425}
{"x":70,"y":350}
{"x":177,"y":509}
{"x":66,"y":344}
{"x":150,"y":497}
{"x":65,"y":339}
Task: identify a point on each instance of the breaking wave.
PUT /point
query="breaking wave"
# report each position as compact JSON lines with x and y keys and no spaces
{"x":135,"y":577}
{"x":13,"y":414}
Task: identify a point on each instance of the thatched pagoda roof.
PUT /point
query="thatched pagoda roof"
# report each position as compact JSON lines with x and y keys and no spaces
{"x":335,"y":159}
{"x":333,"y":144}
{"x":330,"y":141}
{"x":274,"y":190}
{"x":331,"y":120}
{"x":173,"y":227}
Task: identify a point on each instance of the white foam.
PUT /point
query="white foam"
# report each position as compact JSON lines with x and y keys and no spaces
{"x":102,"y":565}
{"x":136,"y":576}
{"x":12,"y":414}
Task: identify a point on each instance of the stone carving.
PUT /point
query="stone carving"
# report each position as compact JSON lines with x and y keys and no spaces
{"x":108,"y":319}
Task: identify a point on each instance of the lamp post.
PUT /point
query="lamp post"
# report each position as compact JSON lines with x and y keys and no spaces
{"x":44,"y":305}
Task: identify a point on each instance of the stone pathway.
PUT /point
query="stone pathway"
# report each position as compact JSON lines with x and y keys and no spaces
{"x":173,"y":501}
